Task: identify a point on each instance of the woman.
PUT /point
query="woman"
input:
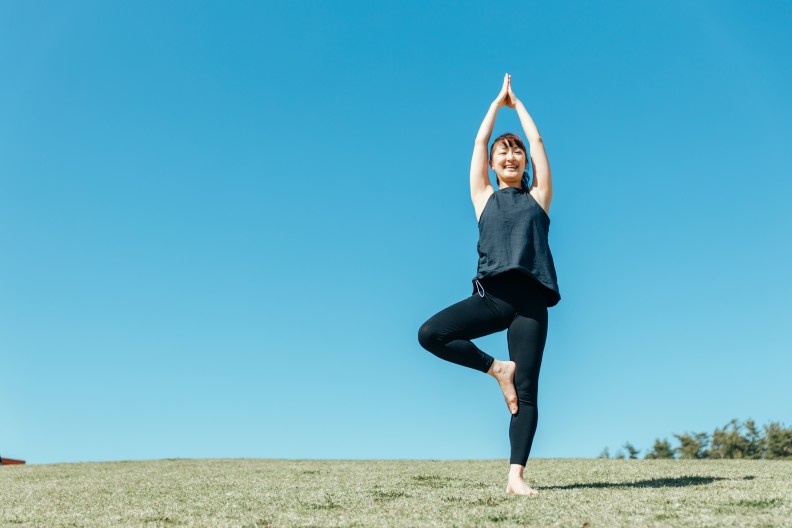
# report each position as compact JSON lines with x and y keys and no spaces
{"x":516,"y":279}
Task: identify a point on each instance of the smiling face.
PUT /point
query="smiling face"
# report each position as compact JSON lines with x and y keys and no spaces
{"x":508,"y":159}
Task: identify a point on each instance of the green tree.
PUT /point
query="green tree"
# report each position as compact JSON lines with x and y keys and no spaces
{"x":661,"y":449}
{"x":728,"y":441}
{"x":632,"y":452}
{"x":779,"y":441}
{"x":692,"y":446}
{"x":756,"y":443}
{"x":604,"y":453}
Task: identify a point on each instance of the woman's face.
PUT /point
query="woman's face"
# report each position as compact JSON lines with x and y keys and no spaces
{"x":508,"y":162}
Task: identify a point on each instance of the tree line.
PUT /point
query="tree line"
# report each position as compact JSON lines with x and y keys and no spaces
{"x":734,"y":440}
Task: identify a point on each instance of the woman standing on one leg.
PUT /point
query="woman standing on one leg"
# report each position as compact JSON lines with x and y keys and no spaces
{"x":516,"y":279}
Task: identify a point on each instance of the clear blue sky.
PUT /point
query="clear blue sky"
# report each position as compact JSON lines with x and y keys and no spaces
{"x":221,"y":224}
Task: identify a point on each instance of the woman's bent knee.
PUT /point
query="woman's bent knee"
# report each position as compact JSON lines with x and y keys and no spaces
{"x":428,"y":336}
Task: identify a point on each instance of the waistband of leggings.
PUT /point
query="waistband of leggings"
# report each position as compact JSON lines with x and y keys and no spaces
{"x":510,"y":278}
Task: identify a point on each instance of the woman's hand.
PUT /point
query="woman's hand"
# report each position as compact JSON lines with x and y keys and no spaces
{"x":503,"y":96}
{"x":511,"y":99}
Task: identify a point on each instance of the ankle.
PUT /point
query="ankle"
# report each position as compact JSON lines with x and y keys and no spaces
{"x":494,"y":368}
{"x":497,"y":368}
{"x":516,"y":470}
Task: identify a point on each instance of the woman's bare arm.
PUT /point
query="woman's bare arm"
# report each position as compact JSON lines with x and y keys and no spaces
{"x":480,"y":186}
{"x":543,"y":181}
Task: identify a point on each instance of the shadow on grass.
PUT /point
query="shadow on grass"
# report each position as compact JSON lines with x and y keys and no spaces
{"x":676,"y":482}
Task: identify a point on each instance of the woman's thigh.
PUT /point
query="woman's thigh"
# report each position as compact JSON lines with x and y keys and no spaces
{"x":470,"y":318}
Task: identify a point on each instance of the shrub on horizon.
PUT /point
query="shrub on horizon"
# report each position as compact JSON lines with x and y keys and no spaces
{"x":733,"y":440}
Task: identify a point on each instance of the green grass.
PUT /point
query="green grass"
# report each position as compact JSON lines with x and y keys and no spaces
{"x":583,"y":493}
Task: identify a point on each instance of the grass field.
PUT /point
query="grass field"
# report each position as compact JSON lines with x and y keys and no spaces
{"x":273,"y":493}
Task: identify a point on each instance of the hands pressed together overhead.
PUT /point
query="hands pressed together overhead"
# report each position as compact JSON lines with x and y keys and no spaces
{"x":506,"y":96}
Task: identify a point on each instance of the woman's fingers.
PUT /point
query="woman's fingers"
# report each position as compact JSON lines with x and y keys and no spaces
{"x":506,"y":96}
{"x":512,"y":99}
{"x":503,"y":96}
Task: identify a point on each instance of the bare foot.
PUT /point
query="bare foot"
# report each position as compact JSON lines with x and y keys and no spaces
{"x":516,"y":483}
{"x":520,"y":488}
{"x":503,"y":371}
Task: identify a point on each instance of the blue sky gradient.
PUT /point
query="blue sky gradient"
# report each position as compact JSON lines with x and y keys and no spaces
{"x":221,"y":225}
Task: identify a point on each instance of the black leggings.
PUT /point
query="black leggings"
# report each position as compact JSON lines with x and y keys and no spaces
{"x":511,"y":300}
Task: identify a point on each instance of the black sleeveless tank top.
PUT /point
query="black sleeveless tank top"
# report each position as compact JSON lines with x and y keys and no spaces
{"x":513,"y":230}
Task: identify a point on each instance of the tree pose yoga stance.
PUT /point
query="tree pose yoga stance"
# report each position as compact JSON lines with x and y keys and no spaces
{"x":516,"y":280}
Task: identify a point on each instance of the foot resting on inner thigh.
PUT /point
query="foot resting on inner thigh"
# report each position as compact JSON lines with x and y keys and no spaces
{"x":503,"y":371}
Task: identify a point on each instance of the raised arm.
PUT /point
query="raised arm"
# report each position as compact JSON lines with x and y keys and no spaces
{"x":480,"y":186}
{"x":542,"y":186}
